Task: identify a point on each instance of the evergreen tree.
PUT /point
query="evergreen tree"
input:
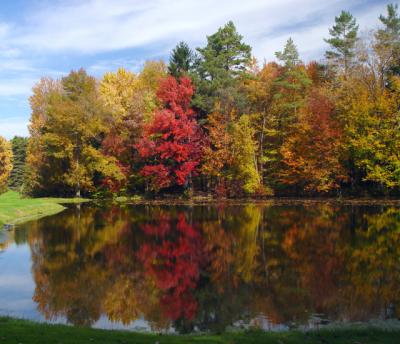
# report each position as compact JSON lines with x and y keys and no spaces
{"x":387,"y":46}
{"x":290,"y":55}
{"x":181,"y":60}
{"x":291,"y":87}
{"x":342,"y":41}
{"x":17,"y":177}
{"x":391,"y":31}
{"x":221,"y":64}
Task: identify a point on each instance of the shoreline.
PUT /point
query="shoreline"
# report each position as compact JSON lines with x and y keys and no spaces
{"x":25,"y":331}
{"x":15,"y":210}
{"x":138,"y":200}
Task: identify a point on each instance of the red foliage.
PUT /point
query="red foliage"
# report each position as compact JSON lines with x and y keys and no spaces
{"x":174,"y":261}
{"x":171,"y":143}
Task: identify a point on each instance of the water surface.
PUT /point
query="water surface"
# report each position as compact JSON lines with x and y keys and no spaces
{"x":204,"y":268}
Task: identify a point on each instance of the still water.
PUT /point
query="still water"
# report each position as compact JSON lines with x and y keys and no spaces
{"x":205,"y":268}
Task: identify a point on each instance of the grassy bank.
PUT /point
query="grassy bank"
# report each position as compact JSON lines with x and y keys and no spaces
{"x":22,"y":331}
{"x":15,"y":209}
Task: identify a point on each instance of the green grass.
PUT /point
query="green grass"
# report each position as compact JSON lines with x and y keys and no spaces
{"x":14,"y":209}
{"x":26,"y":332}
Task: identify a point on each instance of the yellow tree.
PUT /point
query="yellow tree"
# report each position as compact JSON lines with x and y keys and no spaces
{"x":131,"y":99}
{"x":39,"y":102}
{"x":5,"y":163}
{"x":261,"y":89}
{"x":244,"y":168}
{"x":67,"y":131}
{"x":117,"y":90}
{"x":230,"y":157}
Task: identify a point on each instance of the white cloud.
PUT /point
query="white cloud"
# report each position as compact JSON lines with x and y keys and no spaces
{"x":101,"y":26}
{"x":102,"y":66}
{"x":9,"y":127}
{"x":97,"y":31}
{"x":16,"y":86}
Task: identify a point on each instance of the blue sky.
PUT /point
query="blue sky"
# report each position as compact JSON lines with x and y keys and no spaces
{"x":51,"y":37}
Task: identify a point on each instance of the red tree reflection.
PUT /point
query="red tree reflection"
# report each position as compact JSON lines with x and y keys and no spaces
{"x":173,"y":257}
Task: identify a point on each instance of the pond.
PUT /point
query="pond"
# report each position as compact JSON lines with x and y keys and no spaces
{"x":205,"y":268}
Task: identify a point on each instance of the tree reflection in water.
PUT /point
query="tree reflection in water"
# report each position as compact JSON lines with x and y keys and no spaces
{"x":207,"y":267}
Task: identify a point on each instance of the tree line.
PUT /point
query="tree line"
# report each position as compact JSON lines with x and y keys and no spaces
{"x":214,"y":120}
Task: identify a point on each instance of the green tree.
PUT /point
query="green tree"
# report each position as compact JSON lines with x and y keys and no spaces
{"x":181,"y":60}
{"x":17,"y":176}
{"x":342,"y":42}
{"x":290,"y":55}
{"x":221,"y":65}
{"x":291,"y":87}
{"x":387,"y":45}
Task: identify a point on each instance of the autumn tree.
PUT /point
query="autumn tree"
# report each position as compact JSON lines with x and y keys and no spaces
{"x":5,"y":163}
{"x":342,"y":41}
{"x":289,"y":90}
{"x":244,"y":167}
{"x":230,"y":155}
{"x":373,"y":135}
{"x":37,"y":173}
{"x":171,"y":143}
{"x":261,"y":89}
{"x":217,"y":152}
{"x":117,"y":91}
{"x":312,"y":153}
{"x":69,"y":137}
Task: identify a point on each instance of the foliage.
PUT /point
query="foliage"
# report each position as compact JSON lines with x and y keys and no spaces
{"x":372,"y":127}
{"x":387,"y":45}
{"x":218,"y":71}
{"x":312,"y":153}
{"x":5,"y":163}
{"x":342,"y":41}
{"x":291,"y":88}
{"x":17,"y":176}
{"x":67,"y":159}
{"x":227,"y":125}
{"x":171,"y":144}
{"x":230,"y":155}
{"x":181,"y":60}
{"x":244,"y":156}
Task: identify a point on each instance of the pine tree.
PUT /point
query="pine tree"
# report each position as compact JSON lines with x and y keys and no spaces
{"x":17,"y":176}
{"x":221,"y":65}
{"x":342,"y":41}
{"x":290,"y":55}
{"x":181,"y":60}
{"x":291,"y":87}
{"x":387,"y":45}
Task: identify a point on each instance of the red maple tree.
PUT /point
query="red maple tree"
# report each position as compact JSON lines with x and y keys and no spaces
{"x":171,"y":142}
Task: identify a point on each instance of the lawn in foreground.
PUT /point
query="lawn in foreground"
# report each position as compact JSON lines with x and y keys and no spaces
{"x":26,"y":332}
{"x":15,"y":209}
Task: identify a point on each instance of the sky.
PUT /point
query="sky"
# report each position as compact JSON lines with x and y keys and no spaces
{"x":51,"y":37}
